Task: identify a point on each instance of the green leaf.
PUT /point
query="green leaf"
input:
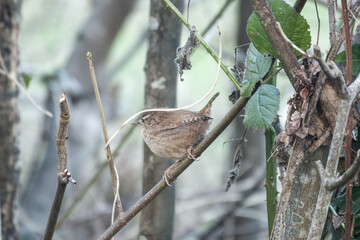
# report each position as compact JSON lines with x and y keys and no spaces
{"x":262,"y":108}
{"x":340,"y":201}
{"x":294,"y":25}
{"x":256,"y":67}
{"x":27,"y":79}
{"x":341,"y":58}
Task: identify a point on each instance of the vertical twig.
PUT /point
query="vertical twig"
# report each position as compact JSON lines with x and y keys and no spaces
{"x":318,"y":18}
{"x":63,"y":175}
{"x":113,"y":171}
{"x":332,"y":21}
{"x":348,"y":137}
{"x":92,"y":181}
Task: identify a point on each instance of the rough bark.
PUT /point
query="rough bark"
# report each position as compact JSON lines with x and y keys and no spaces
{"x":9,"y":117}
{"x":160,"y":91}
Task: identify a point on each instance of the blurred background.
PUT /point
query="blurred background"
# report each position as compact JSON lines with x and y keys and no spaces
{"x":55,"y":36}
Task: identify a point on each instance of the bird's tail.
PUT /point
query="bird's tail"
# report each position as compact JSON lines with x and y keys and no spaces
{"x":207,"y":109}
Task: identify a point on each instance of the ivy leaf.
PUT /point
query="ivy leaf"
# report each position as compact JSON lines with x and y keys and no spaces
{"x":341,"y":58}
{"x":293,"y":24}
{"x":256,"y":67}
{"x":262,"y":108}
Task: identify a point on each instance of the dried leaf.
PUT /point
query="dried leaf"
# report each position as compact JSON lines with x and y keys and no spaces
{"x":183,"y":53}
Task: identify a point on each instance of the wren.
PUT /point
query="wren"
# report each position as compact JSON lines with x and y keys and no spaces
{"x":175,"y":134}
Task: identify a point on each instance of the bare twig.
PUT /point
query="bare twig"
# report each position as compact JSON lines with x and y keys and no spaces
{"x":4,"y":71}
{"x":348,"y":137}
{"x":318,"y":18}
{"x":217,"y":16}
{"x":333,"y":183}
{"x":93,"y":180}
{"x":338,"y":42}
{"x":299,"y":50}
{"x":348,"y":52}
{"x":188,"y":12}
{"x":299,"y":5}
{"x":325,"y":135}
{"x":63,"y":174}
{"x":332,"y":21}
{"x":113,"y":171}
{"x":282,"y":49}
{"x":332,"y":72}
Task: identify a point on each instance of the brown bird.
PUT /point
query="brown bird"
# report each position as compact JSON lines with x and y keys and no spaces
{"x":175,"y":134}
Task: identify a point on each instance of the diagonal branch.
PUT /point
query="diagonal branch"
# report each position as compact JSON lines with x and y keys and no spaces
{"x":120,"y":222}
{"x":203,"y":42}
{"x":282,"y":49}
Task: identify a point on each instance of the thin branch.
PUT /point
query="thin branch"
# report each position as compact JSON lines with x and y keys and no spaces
{"x":332,"y":72}
{"x":348,"y":52}
{"x":318,"y":18}
{"x":348,"y":137}
{"x":188,"y":12}
{"x":299,"y":50}
{"x":113,"y":171}
{"x":93,"y":180}
{"x":63,"y":174}
{"x":299,"y":5}
{"x":160,"y":186}
{"x":332,"y":21}
{"x":338,"y":42}
{"x":334,"y":183}
{"x":282,"y":49}
{"x":325,"y":135}
{"x":203,"y":42}
{"x":217,"y":16}
{"x":12,"y":77}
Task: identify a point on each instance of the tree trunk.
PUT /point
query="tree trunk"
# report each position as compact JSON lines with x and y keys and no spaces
{"x":160,"y":91}
{"x":9,"y":117}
